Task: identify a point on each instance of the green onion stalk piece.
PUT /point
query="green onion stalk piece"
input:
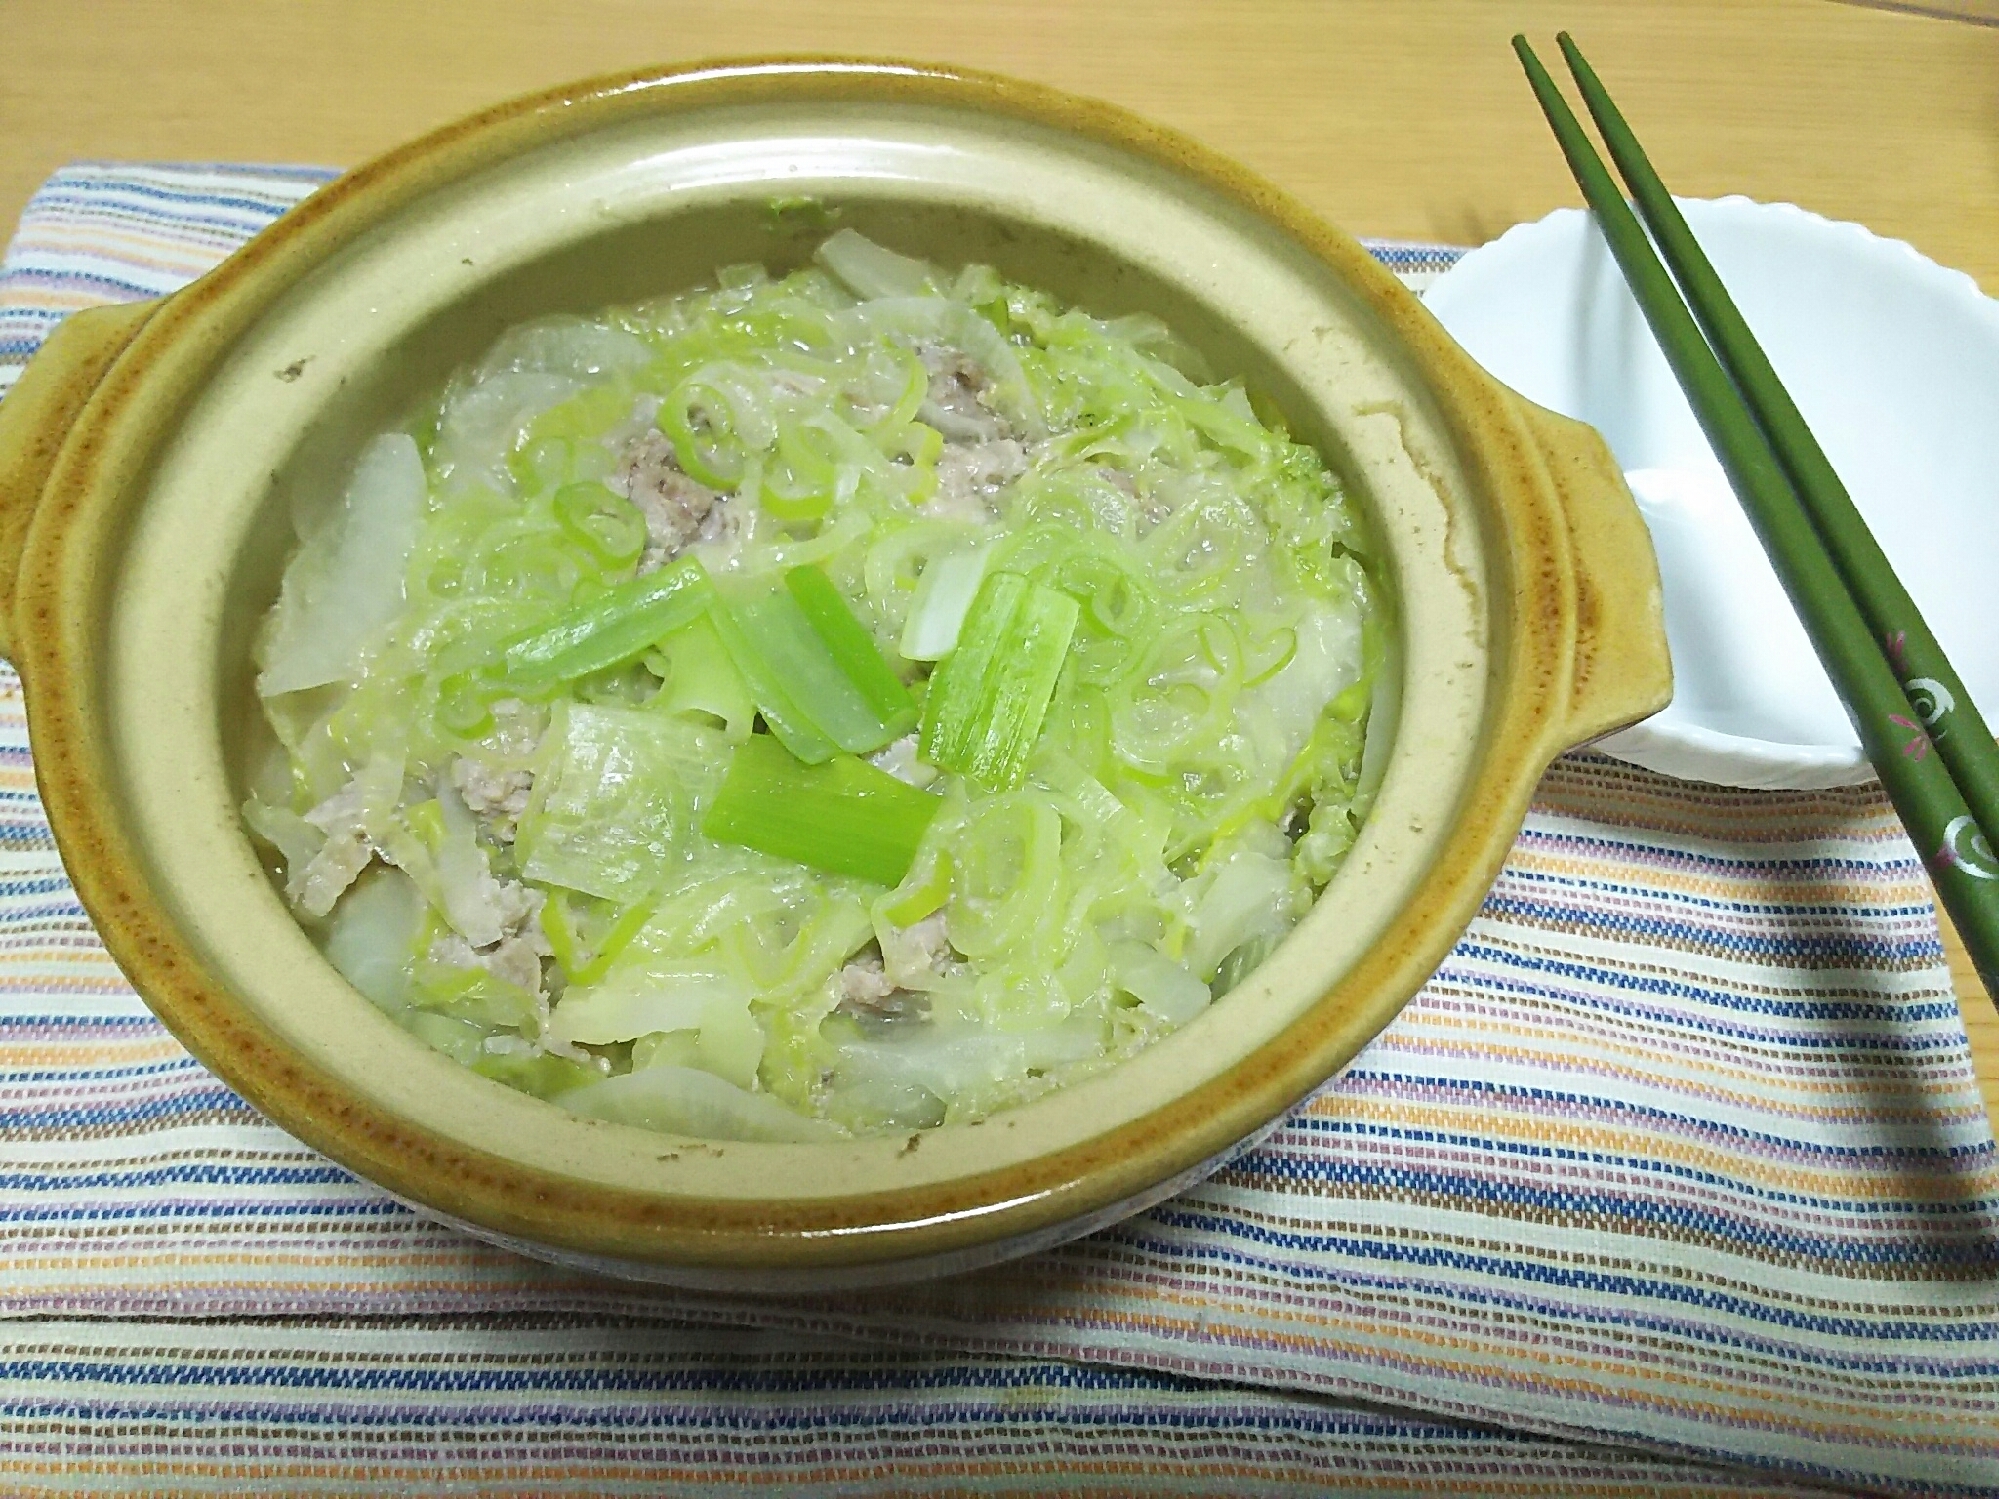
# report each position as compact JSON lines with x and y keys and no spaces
{"x":851,"y":647}
{"x":842,"y":816}
{"x":743,"y":637}
{"x":816,"y":678}
{"x":988,"y":700}
{"x":612,"y":629}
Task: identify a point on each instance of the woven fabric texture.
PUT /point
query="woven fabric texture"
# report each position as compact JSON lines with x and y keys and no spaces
{"x":1679,"y":1151}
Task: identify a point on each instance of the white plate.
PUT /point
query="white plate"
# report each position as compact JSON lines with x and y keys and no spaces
{"x":1894,"y":362}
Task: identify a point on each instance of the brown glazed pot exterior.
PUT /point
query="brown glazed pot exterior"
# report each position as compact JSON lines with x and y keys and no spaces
{"x":150,"y":454}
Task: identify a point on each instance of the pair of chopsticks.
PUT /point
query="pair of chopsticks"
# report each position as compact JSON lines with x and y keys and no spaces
{"x":1898,"y":687}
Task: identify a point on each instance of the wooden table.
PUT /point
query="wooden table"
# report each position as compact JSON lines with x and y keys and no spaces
{"x":1389,"y":117}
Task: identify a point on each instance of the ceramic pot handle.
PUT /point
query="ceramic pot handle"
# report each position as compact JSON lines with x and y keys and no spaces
{"x":35,"y":419}
{"x":1621,"y":671}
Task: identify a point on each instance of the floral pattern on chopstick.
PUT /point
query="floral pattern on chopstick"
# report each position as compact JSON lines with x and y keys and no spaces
{"x":1919,"y":742}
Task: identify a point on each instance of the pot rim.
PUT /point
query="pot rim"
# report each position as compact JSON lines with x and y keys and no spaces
{"x":1542,"y":614}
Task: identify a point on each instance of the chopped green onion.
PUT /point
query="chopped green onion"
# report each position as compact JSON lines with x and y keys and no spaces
{"x":842,"y":816}
{"x":566,"y":946}
{"x":604,"y":521}
{"x":987,"y":701}
{"x":810,"y":675}
{"x":716,"y":421}
{"x":919,"y":443}
{"x":852,"y":648}
{"x":800,"y":485}
{"x":908,"y":904}
{"x":615,"y":627}
{"x":555,"y":926}
{"x":465,"y":703}
{"x":630,"y":922}
{"x":590,"y":413}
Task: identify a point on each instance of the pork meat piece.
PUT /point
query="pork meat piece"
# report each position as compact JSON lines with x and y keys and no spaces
{"x":512,"y":959}
{"x":918,"y":955}
{"x":675,"y":507}
{"x":496,"y":797}
{"x":955,"y":404}
{"x":347,"y":851}
{"x":867,"y":995}
{"x":971,"y":475}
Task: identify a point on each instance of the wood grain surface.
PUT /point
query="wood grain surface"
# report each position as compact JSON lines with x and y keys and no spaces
{"x":1390,"y":117}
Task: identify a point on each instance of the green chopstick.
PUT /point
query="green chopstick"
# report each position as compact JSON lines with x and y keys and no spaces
{"x":1938,"y":700}
{"x":1921,"y":788}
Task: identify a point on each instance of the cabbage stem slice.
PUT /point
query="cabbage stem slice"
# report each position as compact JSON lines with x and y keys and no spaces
{"x":988,"y":700}
{"x":842,"y":816}
{"x":610,"y":630}
{"x":701,"y":678}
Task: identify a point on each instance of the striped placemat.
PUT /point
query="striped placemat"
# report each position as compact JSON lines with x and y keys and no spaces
{"x":1680,"y":1151}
